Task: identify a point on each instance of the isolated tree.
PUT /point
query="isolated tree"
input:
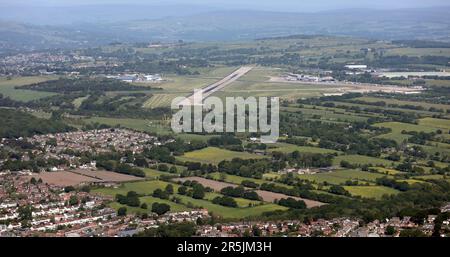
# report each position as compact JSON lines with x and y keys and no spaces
{"x":182,"y":190}
{"x":122,"y":211}
{"x":198,"y":192}
{"x":169,"y":189}
{"x":173,"y":169}
{"x":160,"y":208}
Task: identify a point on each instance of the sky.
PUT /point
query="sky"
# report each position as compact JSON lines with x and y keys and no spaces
{"x":275,"y":5}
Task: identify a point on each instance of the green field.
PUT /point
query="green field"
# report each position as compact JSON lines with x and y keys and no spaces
{"x":328,"y":114}
{"x":342,"y":176}
{"x":242,"y":203}
{"x":416,"y":52}
{"x":399,"y":102}
{"x":142,"y":188}
{"x":435,"y":123}
{"x":361,"y":160}
{"x":289,"y":148}
{"x":228,"y":212}
{"x":375,"y":192}
{"x":233,"y":179}
{"x":147,"y":187}
{"x":175,"y":86}
{"x":149,"y":200}
{"x":7,"y":88}
{"x":156,"y":174}
{"x":398,"y":127}
{"x":79,"y":101}
{"x":160,"y":100}
{"x":215,"y":155}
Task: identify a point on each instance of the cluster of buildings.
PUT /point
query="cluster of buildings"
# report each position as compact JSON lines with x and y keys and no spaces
{"x":25,"y":62}
{"x":33,"y":208}
{"x":306,"y":171}
{"x":340,"y":227}
{"x":308,"y":78}
{"x":53,"y":62}
{"x":61,"y":146}
{"x":335,"y":227}
{"x":95,"y":141}
{"x":137,"y":78}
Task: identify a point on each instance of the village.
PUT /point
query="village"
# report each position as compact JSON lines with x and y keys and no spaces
{"x":33,"y":208}
{"x":339,"y":227}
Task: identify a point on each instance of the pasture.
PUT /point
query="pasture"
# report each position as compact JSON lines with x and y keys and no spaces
{"x":341,"y":176}
{"x":215,"y":155}
{"x":362,"y":160}
{"x":398,"y":127}
{"x":435,"y":123}
{"x":400,"y":102}
{"x":146,"y":188}
{"x":375,"y":192}
{"x":7,"y":88}
{"x":289,"y":148}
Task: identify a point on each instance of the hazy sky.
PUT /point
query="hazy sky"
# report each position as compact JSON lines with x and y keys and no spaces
{"x":279,"y":5}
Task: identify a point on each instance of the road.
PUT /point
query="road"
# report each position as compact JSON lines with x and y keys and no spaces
{"x":211,"y":89}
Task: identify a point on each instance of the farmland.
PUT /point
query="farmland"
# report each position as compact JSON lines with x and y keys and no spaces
{"x":7,"y":88}
{"x":215,"y":155}
{"x":362,"y":160}
{"x":265,"y":195}
{"x":342,"y":176}
{"x":344,"y":143}
{"x":146,"y":188}
{"x":370,"y":191}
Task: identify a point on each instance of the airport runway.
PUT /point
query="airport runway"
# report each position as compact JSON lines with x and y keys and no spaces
{"x":209,"y":90}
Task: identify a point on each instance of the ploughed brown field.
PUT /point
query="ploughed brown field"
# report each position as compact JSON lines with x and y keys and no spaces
{"x":76,"y":177}
{"x":266,"y":195}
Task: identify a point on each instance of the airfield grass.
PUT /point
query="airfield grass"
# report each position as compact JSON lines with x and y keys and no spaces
{"x":175,"y":86}
{"x":215,"y":155}
{"x":287,"y":91}
{"x":375,"y":192}
{"x":7,"y":88}
{"x":160,"y":100}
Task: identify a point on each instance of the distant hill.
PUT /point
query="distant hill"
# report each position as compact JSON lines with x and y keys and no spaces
{"x":405,"y":24}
